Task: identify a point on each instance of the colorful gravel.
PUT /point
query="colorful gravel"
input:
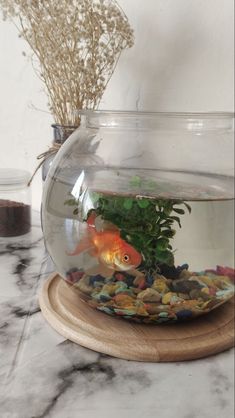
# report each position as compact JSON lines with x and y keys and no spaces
{"x":154,"y":299}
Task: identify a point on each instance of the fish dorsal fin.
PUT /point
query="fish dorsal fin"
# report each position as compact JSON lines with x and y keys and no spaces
{"x":91,"y":219}
{"x":109,"y":226}
{"x":98,"y":224}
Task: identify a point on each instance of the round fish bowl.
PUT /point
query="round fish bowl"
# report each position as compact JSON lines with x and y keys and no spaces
{"x":137,"y":213}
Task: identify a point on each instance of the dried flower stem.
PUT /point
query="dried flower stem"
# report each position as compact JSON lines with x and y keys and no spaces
{"x":77,"y":44}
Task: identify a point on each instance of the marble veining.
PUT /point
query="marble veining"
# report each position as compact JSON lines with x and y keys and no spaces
{"x":44,"y":375}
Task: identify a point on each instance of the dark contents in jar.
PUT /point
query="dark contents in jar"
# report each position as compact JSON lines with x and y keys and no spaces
{"x":15,"y":218}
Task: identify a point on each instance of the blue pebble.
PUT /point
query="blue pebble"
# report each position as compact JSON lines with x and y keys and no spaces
{"x":149,"y":280}
{"x":129,"y":282}
{"x":183,"y":267}
{"x":97,"y":278}
{"x":104,"y":298}
{"x":184,"y":314}
{"x":105,"y":309}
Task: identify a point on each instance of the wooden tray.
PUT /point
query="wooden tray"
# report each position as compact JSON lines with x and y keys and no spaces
{"x":75,"y":320}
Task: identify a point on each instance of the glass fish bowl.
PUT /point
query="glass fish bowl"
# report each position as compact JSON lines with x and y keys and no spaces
{"x":138,"y":213}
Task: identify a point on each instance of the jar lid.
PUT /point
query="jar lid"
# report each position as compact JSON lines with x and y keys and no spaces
{"x":11,"y":176}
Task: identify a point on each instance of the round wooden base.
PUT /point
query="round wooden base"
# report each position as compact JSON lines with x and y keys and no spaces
{"x":75,"y":320}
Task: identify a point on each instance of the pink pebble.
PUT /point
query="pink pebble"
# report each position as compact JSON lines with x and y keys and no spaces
{"x":225,"y":271}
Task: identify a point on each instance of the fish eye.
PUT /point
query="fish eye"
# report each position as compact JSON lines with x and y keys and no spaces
{"x":126,"y":258}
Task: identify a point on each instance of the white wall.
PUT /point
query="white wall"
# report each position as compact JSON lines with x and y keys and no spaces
{"x":182,"y":60}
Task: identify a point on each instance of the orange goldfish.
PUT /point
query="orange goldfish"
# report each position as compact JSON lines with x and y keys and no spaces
{"x":109,"y":248}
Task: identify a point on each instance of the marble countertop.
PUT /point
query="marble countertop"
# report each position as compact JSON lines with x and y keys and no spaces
{"x":44,"y":375}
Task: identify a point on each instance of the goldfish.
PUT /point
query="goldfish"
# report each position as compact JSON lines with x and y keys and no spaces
{"x":108,"y":247}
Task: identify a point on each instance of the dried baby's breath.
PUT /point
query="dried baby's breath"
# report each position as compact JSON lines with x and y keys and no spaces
{"x":77,"y":44}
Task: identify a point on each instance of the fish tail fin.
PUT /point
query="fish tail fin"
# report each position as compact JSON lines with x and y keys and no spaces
{"x":82,"y":246}
{"x":86,"y":243}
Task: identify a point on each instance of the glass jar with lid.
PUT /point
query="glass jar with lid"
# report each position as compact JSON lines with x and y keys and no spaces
{"x":15,"y":202}
{"x":138,"y":213}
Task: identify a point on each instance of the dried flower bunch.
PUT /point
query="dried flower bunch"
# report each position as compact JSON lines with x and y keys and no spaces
{"x":77,"y":43}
